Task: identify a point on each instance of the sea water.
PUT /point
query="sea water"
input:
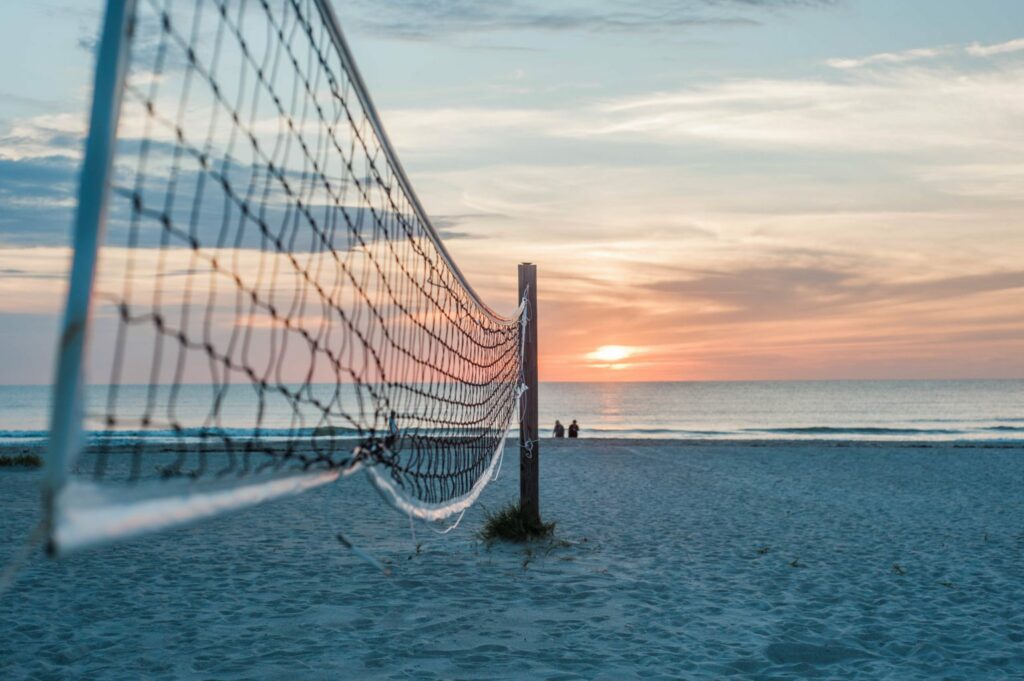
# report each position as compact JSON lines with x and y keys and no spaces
{"x":863,"y":410}
{"x":903,"y":410}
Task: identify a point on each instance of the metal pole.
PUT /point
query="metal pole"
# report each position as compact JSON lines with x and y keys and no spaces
{"x":529,"y":443}
{"x":66,"y":416}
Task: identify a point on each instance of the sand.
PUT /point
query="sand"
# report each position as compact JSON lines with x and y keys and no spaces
{"x":673,"y":560}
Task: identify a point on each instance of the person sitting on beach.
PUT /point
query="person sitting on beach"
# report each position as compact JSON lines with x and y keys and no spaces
{"x":394,"y":439}
{"x":559,"y":429}
{"x":574,"y":429}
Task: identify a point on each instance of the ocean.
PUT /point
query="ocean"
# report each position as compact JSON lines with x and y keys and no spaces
{"x":991,"y":410}
{"x":862,"y":410}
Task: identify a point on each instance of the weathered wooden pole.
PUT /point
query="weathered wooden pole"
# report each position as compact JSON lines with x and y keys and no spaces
{"x":529,"y":442}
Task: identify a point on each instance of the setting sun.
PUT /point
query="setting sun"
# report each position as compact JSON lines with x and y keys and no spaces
{"x":612,"y":353}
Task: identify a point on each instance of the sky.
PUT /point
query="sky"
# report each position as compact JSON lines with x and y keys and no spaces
{"x":711,"y":189}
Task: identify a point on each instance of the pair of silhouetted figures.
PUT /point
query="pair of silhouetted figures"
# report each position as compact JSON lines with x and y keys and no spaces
{"x":574,"y":429}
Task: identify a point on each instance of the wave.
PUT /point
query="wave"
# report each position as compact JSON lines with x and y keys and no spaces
{"x":855,"y":430}
{"x":188,"y":435}
{"x":206,"y":433}
{"x":966,"y":431}
{"x":23,"y":434}
{"x":199,"y":434}
{"x":789,"y":430}
{"x":972,"y":421}
{"x":658,"y":431}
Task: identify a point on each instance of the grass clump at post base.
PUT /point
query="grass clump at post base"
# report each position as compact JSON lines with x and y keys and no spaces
{"x":512,"y":524}
{"x":21,"y":461}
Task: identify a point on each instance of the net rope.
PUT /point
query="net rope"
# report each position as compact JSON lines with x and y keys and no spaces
{"x":270,"y":296}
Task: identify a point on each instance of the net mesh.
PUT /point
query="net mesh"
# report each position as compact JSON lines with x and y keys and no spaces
{"x":269,"y":296}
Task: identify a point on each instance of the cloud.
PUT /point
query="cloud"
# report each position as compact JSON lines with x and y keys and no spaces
{"x":907,"y":110}
{"x":423,"y":20}
{"x":777,"y":314}
{"x":977,"y":50}
{"x":48,"y":135}
{"x":464,"y":128}
{"x":37,"y":200}
{"x":815,"y":321}
{"x":45,"y":177}
{"x":889,"y":58}
{"x":903,"y":110}
{"x":39,"y":172}
{"x":451,"y":227}
{"x":13,"y":100}
{"x":33,"y":280}
{"x":795,"y":292}
{"x":38,"y":196}
{"x":986,"y":179}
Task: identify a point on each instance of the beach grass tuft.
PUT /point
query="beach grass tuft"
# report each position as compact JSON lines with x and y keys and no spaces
{"x":21,"y":461}
{"x":512,"y":525}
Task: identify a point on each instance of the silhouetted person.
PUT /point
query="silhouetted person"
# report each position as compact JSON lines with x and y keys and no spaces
{"x":559,"y":429}
{"x":394,"y":438}
{"x":574,"y":429}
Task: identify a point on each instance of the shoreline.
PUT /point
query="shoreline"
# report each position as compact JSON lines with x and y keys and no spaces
{"x":39,"y":446}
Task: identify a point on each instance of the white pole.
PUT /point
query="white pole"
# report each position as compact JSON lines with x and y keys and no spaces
{"x":68,"y":385}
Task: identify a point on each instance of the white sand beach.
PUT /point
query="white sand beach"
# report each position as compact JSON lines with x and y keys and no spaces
{"x":672,"y":560}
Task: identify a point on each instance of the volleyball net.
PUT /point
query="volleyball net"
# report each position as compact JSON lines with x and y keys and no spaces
{"x":267,"y":306}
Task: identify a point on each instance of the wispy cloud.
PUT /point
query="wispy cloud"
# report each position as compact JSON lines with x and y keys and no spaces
{"x":795,"y":292}
{"x":978,"y":50}
{"x":889,"y":58}
{"x":905,"y":109}
{"x":424,"y":20}
{"x":899,"y":111}
{"x":48,"y":135}
{"x":458,"y":129}
{"x":36,"y":199}
{"x":926,"y":53}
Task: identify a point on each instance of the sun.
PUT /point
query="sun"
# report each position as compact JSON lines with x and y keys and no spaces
{"x":611,"y":353}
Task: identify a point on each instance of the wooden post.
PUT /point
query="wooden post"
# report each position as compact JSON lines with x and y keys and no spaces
{"x":529,"y":442}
